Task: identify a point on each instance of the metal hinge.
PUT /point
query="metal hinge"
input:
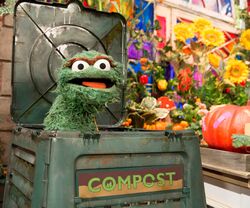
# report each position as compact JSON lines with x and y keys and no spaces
{"x":186,"y":190}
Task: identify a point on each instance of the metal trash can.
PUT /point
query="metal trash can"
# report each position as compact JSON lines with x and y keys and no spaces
{"x":112,"y":168}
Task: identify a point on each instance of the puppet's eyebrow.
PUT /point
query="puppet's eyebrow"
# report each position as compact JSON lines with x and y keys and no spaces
{"x":89,"y":61}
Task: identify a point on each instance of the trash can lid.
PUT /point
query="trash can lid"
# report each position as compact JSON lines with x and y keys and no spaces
{"x":46,"y":34}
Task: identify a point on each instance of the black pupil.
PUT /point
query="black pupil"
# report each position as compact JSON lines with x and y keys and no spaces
{"x":80,"y":66}
{"x":102,"y":66}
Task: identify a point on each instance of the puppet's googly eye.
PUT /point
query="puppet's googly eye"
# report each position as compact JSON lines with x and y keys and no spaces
{"x":79,"y":66}
{"x":102,"y":64}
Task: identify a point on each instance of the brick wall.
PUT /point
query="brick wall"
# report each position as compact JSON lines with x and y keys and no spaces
{"x":6,"y":124}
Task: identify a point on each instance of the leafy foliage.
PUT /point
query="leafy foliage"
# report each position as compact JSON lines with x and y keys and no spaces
{"x":240,"y":140}
{"x":199,"y":68}
{"x":8,"y":7}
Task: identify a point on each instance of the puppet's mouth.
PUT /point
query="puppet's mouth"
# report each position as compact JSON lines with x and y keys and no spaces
{"x":100,"y":83}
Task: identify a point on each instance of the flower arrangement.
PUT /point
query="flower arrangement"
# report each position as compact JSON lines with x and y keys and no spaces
{"x":193,"y":72}
{"x":209,"y":72}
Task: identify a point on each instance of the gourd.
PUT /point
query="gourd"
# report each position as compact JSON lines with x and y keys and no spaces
{"x":157,"y":125}
{"x":222,"y":122}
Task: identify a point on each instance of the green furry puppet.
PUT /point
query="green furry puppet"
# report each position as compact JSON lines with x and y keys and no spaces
{"x":86,"y":83}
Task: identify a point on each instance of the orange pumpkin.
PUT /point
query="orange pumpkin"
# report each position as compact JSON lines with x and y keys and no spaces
{"x":184,"y":124}
{"x":223,"y":121}
{"x":127,"y":122}
{"x":158,"y":125}
{"x":177,"y":127}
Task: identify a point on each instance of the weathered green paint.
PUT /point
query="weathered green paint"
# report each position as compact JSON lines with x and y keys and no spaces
{"x":59,"y":158}
{"x":45,"y":35}
{"x":25,"y":186}
{"x":17,"y":199}
{"x":24,"y":155}
{"x":27,"y":169}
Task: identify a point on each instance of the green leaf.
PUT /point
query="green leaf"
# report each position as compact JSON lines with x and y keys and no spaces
{"x":157,"y":25}
{"x":240,"y":140}
{"x":168,"y":48}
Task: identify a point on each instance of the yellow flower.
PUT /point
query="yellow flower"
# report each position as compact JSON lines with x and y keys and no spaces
{"x":183,"y":31}
{"x":200,"y":24}
{"x":214,"y":60}
{"x":245,"y":39}
{"x":236,"y":71}
{"x":212,"y":37}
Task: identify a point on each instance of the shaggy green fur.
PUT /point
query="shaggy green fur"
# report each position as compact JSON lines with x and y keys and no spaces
{"x":76,"y":106}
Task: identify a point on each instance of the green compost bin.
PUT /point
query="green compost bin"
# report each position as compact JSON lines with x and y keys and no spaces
{"x":110,"y":169}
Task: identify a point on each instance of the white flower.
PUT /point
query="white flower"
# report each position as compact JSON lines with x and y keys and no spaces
{"x":202,"y":112}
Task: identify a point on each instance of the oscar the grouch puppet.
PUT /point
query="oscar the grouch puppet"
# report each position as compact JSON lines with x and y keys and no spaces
{"x":86,"y":83}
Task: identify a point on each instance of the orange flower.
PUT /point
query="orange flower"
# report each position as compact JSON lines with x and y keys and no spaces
{"x":185,"y":79}
{"x":186,"y":50}
{"x":145,"y":67}
{"x":143,"y":61}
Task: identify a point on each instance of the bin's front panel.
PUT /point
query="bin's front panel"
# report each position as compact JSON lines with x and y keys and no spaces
{"x":123,"y":169}
{"x":137,"y":174}
{"x":120,"y":169}
{"x":46,"y":34}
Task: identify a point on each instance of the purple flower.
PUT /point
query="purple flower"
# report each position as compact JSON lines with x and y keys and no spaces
{"x":198,"y":78}
{"x":133,"y":53}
